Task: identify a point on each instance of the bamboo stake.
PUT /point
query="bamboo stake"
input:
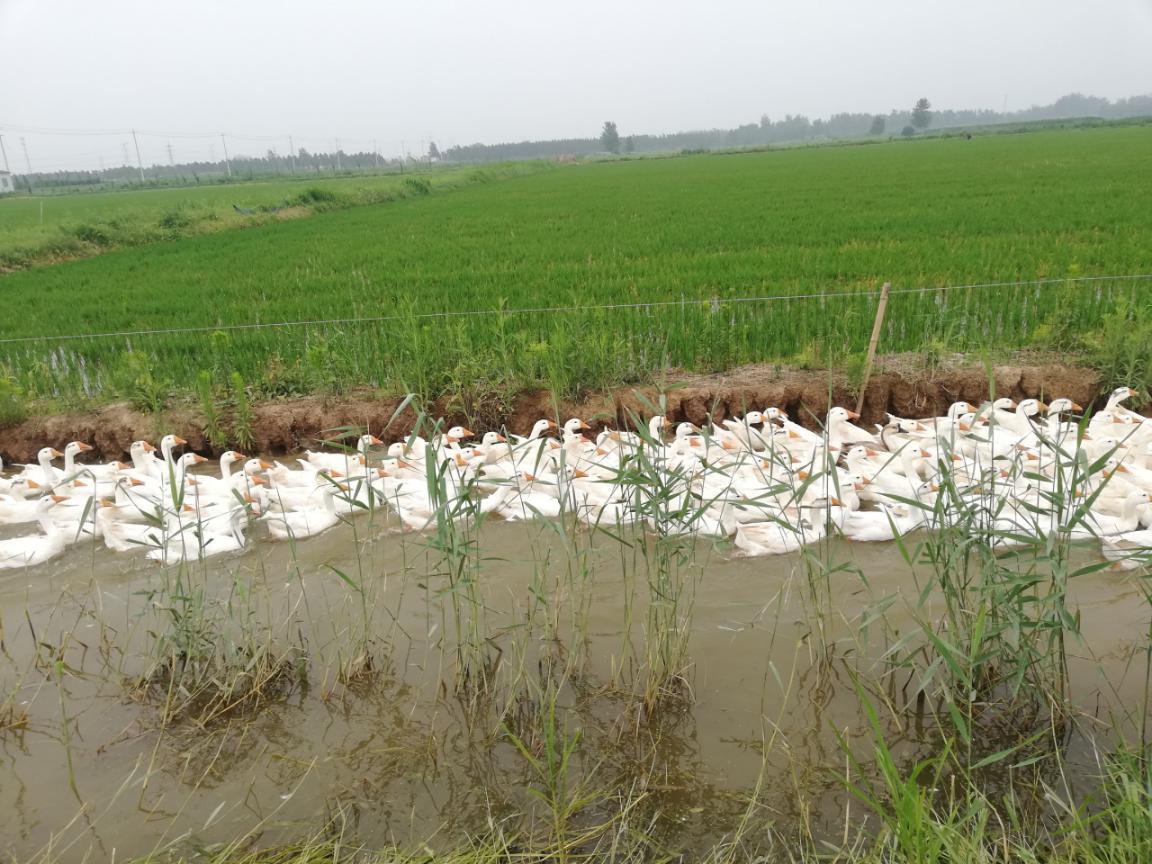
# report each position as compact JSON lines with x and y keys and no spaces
{"x":883,"y":305}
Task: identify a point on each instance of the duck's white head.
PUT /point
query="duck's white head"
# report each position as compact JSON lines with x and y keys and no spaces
{"x":1004,"y":403}
{"x":141,"y":448}
{"x":75,"y":448}
{"x":841,"y":415}
{"x":1031,"y":407}
{"x":47,"y":454}
{"x":457,"y":434}
{"x":368,"y":440}
{"x":1122,"y":393}
{"x":255,"y":465}
{"x":168,"y":442}
{"x":1063,"y":406}
{"x":683,"y":430}
{"x":490,"y":439}
{"x":575,"y":425}
{"x":541,"y":426}
{"x":773,"y":414}
{"x":754,"y":418}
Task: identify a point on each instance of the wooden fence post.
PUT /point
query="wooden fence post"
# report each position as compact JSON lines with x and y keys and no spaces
{"x":883,"y":305}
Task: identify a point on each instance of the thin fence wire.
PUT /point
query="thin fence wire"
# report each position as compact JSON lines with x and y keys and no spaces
{"x":560,"y":310}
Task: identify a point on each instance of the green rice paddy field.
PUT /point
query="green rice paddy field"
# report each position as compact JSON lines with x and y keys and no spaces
{"x":699,"y":234}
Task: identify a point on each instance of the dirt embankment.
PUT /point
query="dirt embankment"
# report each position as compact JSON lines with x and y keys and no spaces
{"x":290,"y":424}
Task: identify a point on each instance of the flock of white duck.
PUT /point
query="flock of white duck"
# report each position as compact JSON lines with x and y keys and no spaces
{"x":1014,"y":471}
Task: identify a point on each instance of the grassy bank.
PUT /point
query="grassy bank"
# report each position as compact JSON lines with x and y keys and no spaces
{"x":699,"y":235}
{"x":47,"y":228}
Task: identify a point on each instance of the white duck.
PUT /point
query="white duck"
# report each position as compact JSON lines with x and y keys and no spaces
{"x":307,"y":521}
{"x":342,"y":461}
{"x":29,"y":551}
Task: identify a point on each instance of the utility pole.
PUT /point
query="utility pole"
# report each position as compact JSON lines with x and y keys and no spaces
{"x":292,"y":155}
{"x":139,"y":161}
{"x":339,"y":167}
{"x":5,"y":152}
{"x":28,"y":162}
{"x":227,"y":161}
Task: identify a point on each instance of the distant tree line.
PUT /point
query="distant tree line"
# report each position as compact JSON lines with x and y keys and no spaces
{"x":242,"y":167}
{"x":788,"y":129}
{"x":799,"y":128}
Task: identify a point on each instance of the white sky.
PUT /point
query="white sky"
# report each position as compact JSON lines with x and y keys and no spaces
{"x":502,"y":70}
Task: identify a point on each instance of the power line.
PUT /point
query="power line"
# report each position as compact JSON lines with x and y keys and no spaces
{"x":557,"y":310}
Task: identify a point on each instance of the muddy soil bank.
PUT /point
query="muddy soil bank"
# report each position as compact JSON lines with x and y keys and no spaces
{"x":291,"y":424}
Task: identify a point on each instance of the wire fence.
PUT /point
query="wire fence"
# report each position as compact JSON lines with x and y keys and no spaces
{"x":712,"y":302}
{"x":569,"y":349}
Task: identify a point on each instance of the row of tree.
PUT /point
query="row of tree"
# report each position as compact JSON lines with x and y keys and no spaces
{"x":788,"y":129}
{"x":798,"y":128}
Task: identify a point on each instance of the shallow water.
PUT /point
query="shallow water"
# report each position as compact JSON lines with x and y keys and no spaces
{"x":404,"y":757}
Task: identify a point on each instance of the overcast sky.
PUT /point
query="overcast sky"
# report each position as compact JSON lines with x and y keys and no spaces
{"x":501,"y":70}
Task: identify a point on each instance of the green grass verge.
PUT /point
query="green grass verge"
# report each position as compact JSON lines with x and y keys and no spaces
{"x":701,"y":232}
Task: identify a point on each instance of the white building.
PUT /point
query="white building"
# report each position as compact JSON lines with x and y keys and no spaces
{"x":6,"y":182}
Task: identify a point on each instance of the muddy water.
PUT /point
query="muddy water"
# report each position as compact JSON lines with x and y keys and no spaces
{"x":399,"y":753}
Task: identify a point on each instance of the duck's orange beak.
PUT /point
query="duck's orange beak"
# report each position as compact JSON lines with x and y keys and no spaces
{"x":84,"y":448}
{"x":177,"y":439}
{"x":374,"y":441}
{"x":852,"y":415}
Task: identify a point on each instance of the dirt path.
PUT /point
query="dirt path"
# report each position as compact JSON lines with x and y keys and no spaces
{"x":290,"y":424}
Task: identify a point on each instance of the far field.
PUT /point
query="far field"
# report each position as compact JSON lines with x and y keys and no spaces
{"x":702,"y":231}
{"x":35,"y":229}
